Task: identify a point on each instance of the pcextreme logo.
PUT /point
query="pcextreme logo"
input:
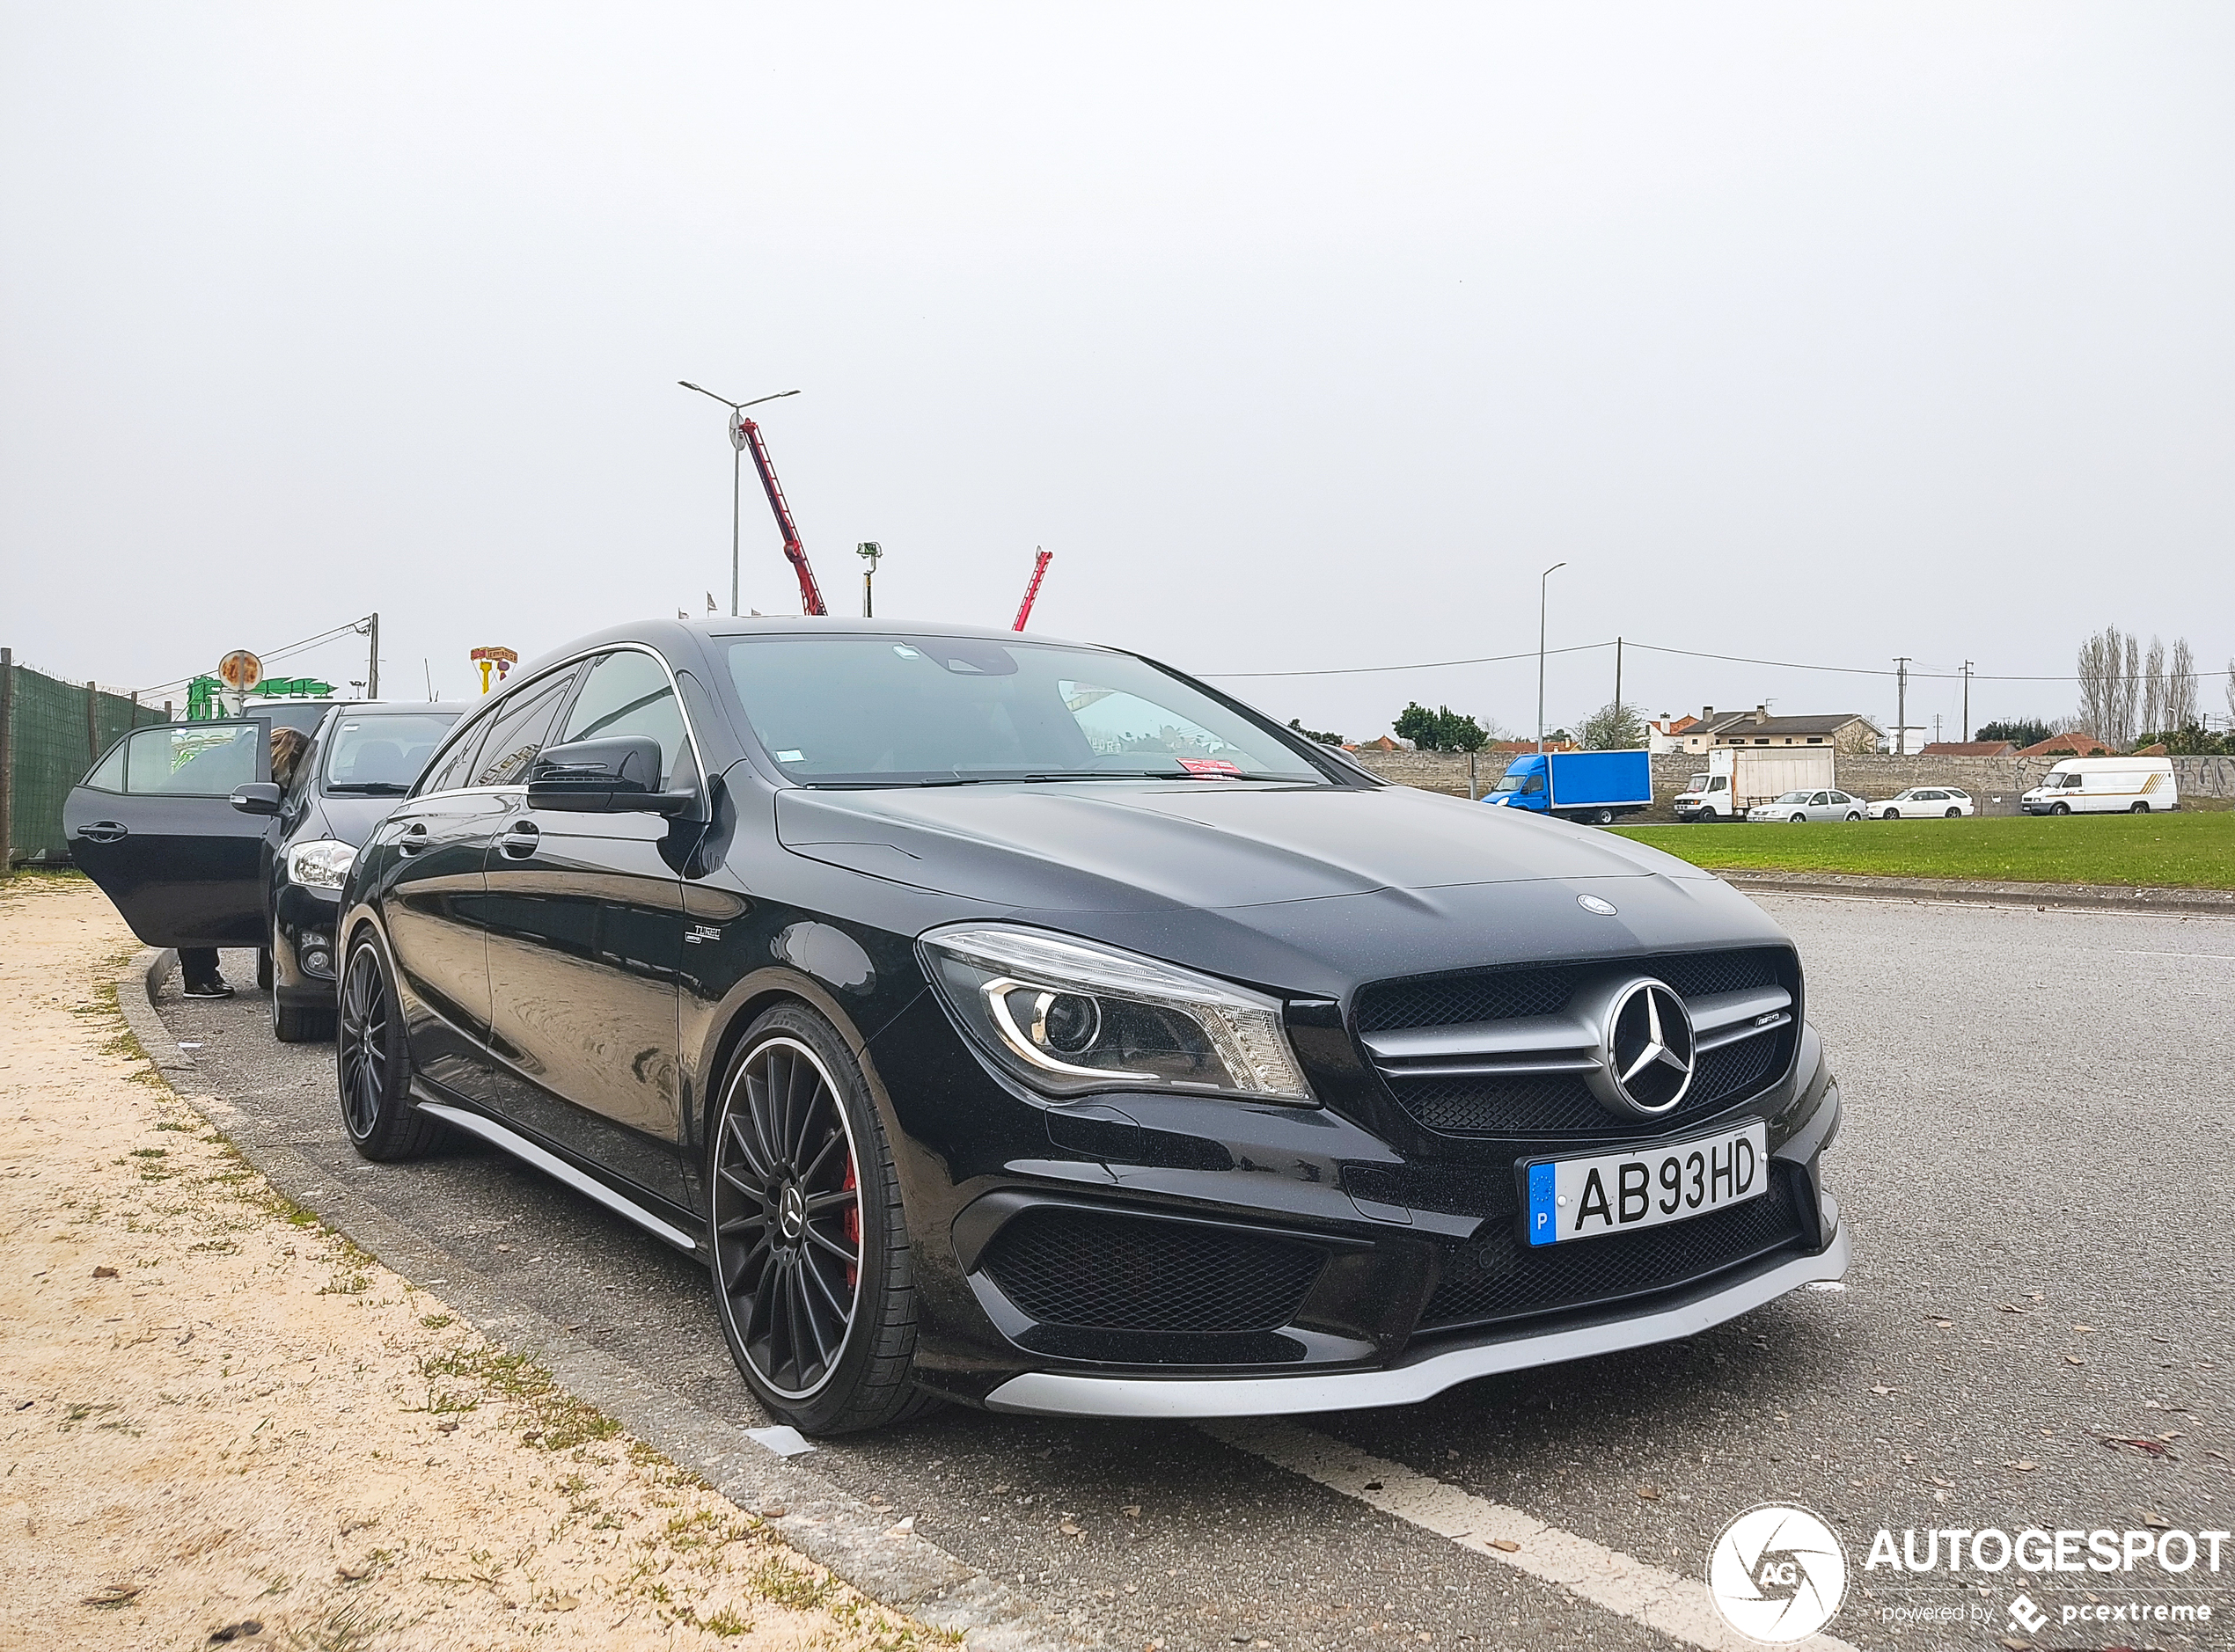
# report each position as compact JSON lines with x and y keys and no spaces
{"x":1777,"y":1573}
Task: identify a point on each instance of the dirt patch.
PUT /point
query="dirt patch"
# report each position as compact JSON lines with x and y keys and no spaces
{"x":222,"y":1424}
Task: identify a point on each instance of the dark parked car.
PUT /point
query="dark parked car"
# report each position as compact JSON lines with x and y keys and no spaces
{"x":362,"y":758}
{"x":1025,"y":1023}
{"x":158,"y":823}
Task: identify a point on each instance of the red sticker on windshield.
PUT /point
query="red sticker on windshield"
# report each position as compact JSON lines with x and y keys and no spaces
{"x":1217,"y":768}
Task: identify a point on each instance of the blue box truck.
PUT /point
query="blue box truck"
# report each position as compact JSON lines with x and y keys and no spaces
{"x":1599,"y":787}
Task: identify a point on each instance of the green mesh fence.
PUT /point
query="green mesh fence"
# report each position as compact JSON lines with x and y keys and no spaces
{"x":50,"y":733}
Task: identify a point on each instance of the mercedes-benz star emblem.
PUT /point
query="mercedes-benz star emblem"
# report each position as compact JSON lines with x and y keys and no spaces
{"x":792,"y":1218}
{"x":1593,"y":903}
{"x":1645,"y":1050}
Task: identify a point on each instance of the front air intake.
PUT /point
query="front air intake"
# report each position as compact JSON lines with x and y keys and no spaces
{"x":1096,"y":1270}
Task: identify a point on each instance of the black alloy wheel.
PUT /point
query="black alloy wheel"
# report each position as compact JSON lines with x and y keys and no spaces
{"x":372,"y":1065}
{"x":813,"y":1274}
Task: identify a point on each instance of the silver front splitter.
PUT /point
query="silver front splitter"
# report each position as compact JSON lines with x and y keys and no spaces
{"x":1067,"y":1394}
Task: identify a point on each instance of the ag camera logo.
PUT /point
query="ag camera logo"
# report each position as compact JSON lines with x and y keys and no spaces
{"x":1777,"y":1573}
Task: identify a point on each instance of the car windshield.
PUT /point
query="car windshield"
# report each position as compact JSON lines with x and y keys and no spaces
{"x":379,"y":754}
{"x":948,"y":711}
{"x":1511,"y":783}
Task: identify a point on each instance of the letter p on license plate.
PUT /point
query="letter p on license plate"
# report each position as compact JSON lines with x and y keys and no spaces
{"x":1618,"y":1193}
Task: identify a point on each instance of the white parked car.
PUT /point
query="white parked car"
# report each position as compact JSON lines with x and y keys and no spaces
{"x":1924,"y":802}
{"x":2104,"y":786}
{"x":1798,"y":806}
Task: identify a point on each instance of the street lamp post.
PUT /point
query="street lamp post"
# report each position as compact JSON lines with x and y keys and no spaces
{"x":868,"y":551}
{"x":1543,"y":585}
{"x":737,"y":462}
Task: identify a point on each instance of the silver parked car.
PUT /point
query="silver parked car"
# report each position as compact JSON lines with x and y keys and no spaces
{"x":1797,"y":806}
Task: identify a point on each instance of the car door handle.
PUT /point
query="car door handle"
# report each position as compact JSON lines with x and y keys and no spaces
{"x":413,"y":840}
{"x":519,"y":840}
{"x":105,"y":831}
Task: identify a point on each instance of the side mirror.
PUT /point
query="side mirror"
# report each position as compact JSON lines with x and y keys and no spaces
{"x":603,"y":777}
{"x":257,"y":797}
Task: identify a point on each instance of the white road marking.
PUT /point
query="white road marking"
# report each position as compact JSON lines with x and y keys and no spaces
{"x":1677,"y":1606}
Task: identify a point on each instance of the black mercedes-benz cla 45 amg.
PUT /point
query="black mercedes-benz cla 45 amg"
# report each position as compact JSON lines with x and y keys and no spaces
{"x":1025,"y":1023}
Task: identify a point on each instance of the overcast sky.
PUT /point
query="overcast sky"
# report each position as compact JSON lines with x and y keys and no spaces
{"x":1304,"y":337}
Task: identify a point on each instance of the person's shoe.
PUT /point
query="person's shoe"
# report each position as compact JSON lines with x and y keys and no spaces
{"x":208,"y":990}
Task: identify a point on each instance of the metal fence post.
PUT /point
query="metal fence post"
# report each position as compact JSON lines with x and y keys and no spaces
{"x":93,"y":723}
{"x":7,"y":760}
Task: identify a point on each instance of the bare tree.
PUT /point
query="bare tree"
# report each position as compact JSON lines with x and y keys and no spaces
{"x":2152,"y":688}
{"x":2101,"y":658}
{"x":2181,"y":687}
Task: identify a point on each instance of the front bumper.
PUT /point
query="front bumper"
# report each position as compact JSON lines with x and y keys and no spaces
{"x":1420,"y":1376}
{"x":302,"y":934}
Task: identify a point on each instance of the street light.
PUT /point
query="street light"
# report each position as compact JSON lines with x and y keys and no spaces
{"x":1543,"y":584}
{"x":868,"y":551}
{"x":736,"y":461}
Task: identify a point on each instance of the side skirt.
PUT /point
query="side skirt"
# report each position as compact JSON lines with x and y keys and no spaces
{"x":525,"y":1151}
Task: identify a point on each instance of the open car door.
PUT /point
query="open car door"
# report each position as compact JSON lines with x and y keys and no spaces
{"x":152,"y":825}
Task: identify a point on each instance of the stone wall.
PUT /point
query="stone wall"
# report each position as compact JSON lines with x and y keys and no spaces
{"x":1994,"y":784}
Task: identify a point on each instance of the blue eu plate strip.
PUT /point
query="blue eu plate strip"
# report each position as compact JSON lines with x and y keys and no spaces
{"x":1544,"y":1213}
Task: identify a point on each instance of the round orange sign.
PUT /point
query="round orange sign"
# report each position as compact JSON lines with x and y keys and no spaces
{"x":240,"y":671}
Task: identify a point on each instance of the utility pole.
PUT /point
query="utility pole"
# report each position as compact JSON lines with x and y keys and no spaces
{"x":1543,"y":585}
{"x":868,"y":551}
{"x":1617,"y":675}
{"x":371,"y":628}
{"x":741,"y":435}
{"x":1901,"y":708}
{"x":1967,"y":699}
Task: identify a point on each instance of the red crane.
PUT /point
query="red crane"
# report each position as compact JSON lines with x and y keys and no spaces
{"x":1039,"y":569}
{"x":746,"y":434}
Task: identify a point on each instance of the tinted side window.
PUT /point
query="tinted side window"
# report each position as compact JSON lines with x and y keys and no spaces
{"x":519,"y":731}
{"x":193,"y":759}
{"x":455,"y":768}
{"x":628,"y":693}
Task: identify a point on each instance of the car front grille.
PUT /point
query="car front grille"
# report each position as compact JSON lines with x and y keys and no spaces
{"x":1509,"y":1056}
{"x":1495,"y":1277}
{"x":1103,"y":1271}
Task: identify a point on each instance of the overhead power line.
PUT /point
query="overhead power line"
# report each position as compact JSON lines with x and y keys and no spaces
{"x":268,"y":655}
{"x":1691,"y":653}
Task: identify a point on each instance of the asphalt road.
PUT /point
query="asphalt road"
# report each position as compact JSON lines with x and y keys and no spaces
{"x":2035,"y":1164}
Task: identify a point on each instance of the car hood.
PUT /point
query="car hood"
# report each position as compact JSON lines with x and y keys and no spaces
{"x":1104,"y":846}
{"x":1304,"y":889}
{"x":345,"y":817}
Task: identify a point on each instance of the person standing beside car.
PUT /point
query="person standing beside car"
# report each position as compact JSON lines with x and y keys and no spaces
{"x":198,"y":966}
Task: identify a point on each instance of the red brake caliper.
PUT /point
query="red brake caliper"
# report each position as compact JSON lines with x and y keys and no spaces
{"x":853,"y":1222}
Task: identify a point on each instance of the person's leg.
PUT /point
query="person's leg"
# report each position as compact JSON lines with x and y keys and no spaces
{"x":198,"y":972}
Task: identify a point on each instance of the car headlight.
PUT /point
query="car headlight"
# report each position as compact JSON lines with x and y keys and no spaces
{"x":1069,"y":1016}
{"x":322,"y":865}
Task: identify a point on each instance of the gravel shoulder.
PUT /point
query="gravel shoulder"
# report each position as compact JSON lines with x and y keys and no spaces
{"x":221,"y":1419}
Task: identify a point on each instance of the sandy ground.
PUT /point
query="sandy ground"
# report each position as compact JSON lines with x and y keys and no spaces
{"x":221,"y":1424}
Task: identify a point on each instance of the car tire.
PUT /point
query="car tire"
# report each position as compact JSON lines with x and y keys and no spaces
{"x":1801,"y":820}
{"x":301,"y":1023}
{"x":2060,"y":808}
{"x":372,"y":1063}
{"x":1952,"y":813}
{"x":1890,"y":814}
{"x":814,"y":1279}
{"x":1604,"y":817}
{"x":1853,"y":814}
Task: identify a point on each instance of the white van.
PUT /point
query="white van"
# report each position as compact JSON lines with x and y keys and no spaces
{"x":2104,"y":786}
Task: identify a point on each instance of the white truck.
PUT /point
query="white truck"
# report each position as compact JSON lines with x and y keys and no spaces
{"x":1739,"y":776}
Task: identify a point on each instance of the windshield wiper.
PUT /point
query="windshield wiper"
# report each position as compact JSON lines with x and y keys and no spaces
{"x":369,"y":788}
